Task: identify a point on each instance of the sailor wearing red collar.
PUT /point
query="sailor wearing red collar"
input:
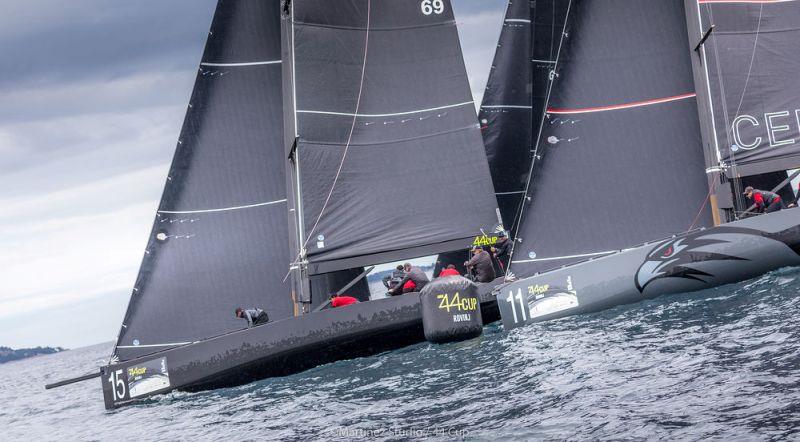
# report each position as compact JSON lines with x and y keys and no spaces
{"x":765,"y":201}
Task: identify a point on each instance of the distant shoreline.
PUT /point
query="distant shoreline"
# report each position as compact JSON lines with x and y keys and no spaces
{"x":8,"y":354}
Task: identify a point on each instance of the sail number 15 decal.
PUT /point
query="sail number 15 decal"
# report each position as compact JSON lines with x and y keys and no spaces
{"x":117,"y":385}
{"x":432,"y":6}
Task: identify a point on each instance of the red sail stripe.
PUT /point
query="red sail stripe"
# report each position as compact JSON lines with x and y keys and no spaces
{"x":745,"y":1}
{"x":621,"y":106}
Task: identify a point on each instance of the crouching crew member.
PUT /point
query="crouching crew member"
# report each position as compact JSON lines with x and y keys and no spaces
{"x":254,"y":316}
{"x":765,"y":201}
{"x":414,"y":275}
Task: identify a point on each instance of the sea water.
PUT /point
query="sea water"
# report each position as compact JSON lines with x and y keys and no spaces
{"x":722,"y":364}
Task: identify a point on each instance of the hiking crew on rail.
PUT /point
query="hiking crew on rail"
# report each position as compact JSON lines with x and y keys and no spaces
{"x":765,"y":201}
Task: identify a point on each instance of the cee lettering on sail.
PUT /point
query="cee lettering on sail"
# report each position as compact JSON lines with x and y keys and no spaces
{"x":775,"y":125}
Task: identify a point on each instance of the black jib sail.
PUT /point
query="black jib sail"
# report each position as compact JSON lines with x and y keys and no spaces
{"x":618,"y":156}
{"x":219,"y":237}
{"x":516,"y":93}
{"x":388,"y":148}
{"x":752,"y":64}
{"x":507,"y":104}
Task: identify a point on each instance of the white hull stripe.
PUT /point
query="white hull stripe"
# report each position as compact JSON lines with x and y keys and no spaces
{"x":173,"y":344}
{"x":543,"y":61}
{"x":517,"y":20}
{"x":385,"y":115}
{"x":555,"y":258}
{"x":255,"y":63}
{"x":224,"y":209}
{"x":620,"y":106}
{"x":509,"y":193}
{"x":506,"y":106}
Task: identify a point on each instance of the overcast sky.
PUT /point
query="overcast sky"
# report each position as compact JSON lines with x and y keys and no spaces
{"x":92,"y":98}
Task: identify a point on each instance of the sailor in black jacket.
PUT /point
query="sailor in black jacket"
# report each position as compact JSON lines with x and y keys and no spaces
{"x":481,"y":265}
{"x":502,"y":251}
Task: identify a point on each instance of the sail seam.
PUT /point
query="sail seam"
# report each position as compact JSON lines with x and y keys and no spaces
{"x":224,"y":209}
{"x":396,"y":28}
{"x":253,"y":63}
{"x":313,"y":143}
{"x":506,"y":106}
{"x":396,"y":114}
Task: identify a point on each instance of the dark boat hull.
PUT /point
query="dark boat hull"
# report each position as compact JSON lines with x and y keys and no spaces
{"x":275,"y":349}
{"x":699,"y":260}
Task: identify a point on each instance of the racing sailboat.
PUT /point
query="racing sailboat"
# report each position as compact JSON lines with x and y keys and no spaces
{"x":622,"y":110}
{"x":321,"y":137}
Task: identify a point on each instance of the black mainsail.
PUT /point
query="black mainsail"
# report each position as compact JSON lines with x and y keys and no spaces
{"x":219,"y":237}
{"x":618,"y":156}
{"x":388,"y":162}
{"x":746,"y":73}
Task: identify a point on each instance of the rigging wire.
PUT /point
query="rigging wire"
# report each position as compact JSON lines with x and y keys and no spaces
{"x":347,"y":145}
{"x":728,"y":129}
{"x":520,"y":212}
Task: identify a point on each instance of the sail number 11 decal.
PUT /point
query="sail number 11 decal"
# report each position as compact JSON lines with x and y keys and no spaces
{"x":432,"y":6}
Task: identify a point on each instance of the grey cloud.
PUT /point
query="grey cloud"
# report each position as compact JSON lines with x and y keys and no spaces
{"x":54,"y":41}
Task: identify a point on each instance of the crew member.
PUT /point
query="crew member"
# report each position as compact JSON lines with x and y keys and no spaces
{"x":502,"y":251}
{"x":480,"y":266}
{"x":449,"y":271}
{"x":391,"y":280}
{"x":341,"y":300}
{"x":254,"y":316}
{"x":765,"y":201}
{"x":413,"y":274}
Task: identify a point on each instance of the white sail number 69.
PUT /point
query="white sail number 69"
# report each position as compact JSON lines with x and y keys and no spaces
{"x":432,"y":6}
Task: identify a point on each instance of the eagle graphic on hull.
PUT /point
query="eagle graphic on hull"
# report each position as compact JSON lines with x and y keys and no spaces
{"x":677,"y":257}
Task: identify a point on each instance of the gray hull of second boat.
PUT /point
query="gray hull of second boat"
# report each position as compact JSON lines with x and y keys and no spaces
{"x":696,"y":260}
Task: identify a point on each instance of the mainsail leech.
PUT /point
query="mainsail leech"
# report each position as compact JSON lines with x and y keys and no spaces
{"x":212,"y":248}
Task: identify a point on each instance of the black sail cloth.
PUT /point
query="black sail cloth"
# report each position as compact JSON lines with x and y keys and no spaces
{"x":507,"y":105}
{"x":389,"y":152}
{"x":753,"y":65}
{"x":621,"y":156}
{"x":219,"y":238}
